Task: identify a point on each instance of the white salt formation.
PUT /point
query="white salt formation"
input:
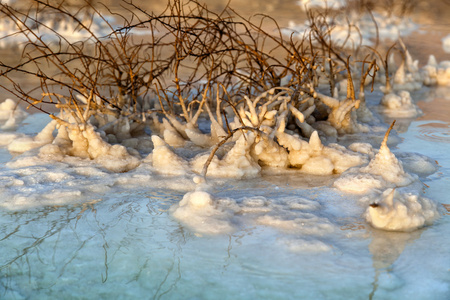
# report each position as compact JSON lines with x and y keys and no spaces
{"x":408,"y":76}
{"x":435,"y":73}
{"x":400,"y":105}
{"x":165,"y":160}
{"x":397,"y":211}
{"x":49,"y":23}
{"x":282,"y":128}
{"x":200,"y":211}
{"x":383,"y":170}
{"x":314,"y":158}
{"x":237,"y":163}
{"x":27,"y":143}
{"x":386,"y":165}
{"x":11,"y":115}
{"x":417,"y":163}
{"x":352,"y":29}
{"x":446,"y":43}
{"x":205,"y":214}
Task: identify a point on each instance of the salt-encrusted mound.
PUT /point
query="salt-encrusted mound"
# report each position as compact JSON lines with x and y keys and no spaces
{"x":435,"y":73}
{"x":446,"y":43}
{"x":383,"y":171}
{"x":237,"y":163}
{"x":165,"y":160}
{"x":11,"y":115}
{"x":200,"y":212}
{"x":397,"y":211}
{"x":400,"y":105}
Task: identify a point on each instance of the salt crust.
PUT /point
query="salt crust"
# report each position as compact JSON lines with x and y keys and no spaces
{"x":199,"y":211}
{"x":64,"y":26}
{"x":11,"y":115}
{"x":435,"y":73}
{"x":383,"y":171}
{"x":400,"y":105}
{"x":362,"y":30}
{"x":204,"y":214}
{"x":116,"y":145}
{"x":112,"y":145}
{"x":398,"y":211}
{"x":446,"y":43}
{"x":298,"y":245}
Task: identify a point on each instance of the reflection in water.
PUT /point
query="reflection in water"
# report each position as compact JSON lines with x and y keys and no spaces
{"x":435,"y":132}
{"x":123,"y":241}
{"x":386,"y":247}
{"x":436,"y":105}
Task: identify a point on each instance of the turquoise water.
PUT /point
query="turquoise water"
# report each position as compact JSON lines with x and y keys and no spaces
{"x":112,"y":236}
{"x":124,"y":244}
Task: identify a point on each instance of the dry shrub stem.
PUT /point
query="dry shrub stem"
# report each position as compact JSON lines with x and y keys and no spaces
{"x":178,"y":63}
{"x":186,"y":50}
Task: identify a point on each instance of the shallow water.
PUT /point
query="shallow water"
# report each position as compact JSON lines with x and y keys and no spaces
{"x":112,"y":236}
{"x":124,"y":243}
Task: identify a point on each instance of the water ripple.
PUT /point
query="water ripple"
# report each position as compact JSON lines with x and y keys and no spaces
{"x":435,"y":132}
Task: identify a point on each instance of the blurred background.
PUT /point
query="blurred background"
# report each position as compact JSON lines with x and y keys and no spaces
{"x":432,"y":16}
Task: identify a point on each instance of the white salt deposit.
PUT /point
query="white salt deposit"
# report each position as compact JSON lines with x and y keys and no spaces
{"x":199,"y":211}
{"x":446,"y":43}
{"x":386,"y":165}
{"x":302,"y":223}
{"x":332,"y":4}
{"x":27,"y":143}
{"x":237,"y":163}
{"x":165,"y":160}
{"x":353,"y":28}
{"x":11,"y":115}
{"x":400,"y":105}
{"x":383,"y":170}
{"x":417,"y":163}
{"x":49,"y":23}
{"x":314,"y":158}
{"x":398,"y":211}
{"x":65,"y":204}
{"x":435,"y":73}
{"x":304,"y":245}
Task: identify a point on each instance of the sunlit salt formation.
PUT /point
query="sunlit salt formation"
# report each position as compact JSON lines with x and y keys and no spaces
{"x":48,"y":24}
{"x":314,"y":158}
{"x":76,"y":140}
{"x":343,"y":115}
{"x":11,"y":115}
{"x":201,"y":212}
{"x":261,"y":138}
{"x":386,"y":165}
{"x":399,"y":105}
{"x":397,"y":101}
{"x":408,"y":76}
{"x":435,"y":73}
{"x":397,"y":211}
{"x":27,"y":143}
{"x":237,"y":162}
{"x":332,"y":4}
{"x":352,"y":29}
{"x":165,"y":160}
{"x":446,"y":43}
{"x":205,"y":214}
{"x":83,"y":141}
{"x":384,"y":170}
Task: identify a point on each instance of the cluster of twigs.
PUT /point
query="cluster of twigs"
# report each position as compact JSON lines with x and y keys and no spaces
{"x":181,"y":57}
